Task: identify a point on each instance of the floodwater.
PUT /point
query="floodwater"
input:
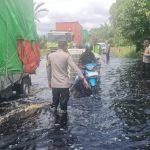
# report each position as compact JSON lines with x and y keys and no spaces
{"x":117,"y":118}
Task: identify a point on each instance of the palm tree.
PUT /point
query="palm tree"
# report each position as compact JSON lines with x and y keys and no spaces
{"x":37,"y":10}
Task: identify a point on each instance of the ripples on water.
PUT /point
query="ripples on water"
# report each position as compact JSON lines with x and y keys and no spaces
{"x":117,"y":118}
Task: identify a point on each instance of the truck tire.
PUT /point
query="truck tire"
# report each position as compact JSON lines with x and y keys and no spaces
{"x":25,"y":86}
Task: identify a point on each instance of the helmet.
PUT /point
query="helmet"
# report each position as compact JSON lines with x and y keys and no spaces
{"x":88,"y":47}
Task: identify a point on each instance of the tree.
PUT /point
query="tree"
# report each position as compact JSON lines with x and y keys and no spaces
{"x":101,"y":34}
{"x":43,"y":42}
{"x":132,"y":19}
{"x":94,"y":36}
{"x":38,"y":9}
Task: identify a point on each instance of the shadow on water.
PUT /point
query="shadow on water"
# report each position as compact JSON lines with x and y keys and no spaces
{"x":117,"y":118}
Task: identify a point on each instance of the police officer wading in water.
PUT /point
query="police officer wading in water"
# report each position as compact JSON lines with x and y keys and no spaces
{"x":58,"y":77}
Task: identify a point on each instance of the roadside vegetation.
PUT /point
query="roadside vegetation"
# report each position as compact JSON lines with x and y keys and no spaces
{"x":38,"y":8}
{"x":43,"y":52}
{"x":43,"y":45}
{"x":129,"y":26}
{"x":126,"y":52}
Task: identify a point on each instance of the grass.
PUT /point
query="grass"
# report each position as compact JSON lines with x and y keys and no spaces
{"x":125,"y":52}
{"x":43,"y":52}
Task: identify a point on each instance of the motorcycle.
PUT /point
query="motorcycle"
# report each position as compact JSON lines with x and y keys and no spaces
{"x":91,"y":73}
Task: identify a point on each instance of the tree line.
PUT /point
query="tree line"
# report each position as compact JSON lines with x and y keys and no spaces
{"x":129,"y":24}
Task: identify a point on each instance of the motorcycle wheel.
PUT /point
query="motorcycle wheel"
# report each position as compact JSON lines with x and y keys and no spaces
{"x":94,"y":89}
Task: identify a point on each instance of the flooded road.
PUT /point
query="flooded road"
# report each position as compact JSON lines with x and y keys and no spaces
{"x":117,"y":118}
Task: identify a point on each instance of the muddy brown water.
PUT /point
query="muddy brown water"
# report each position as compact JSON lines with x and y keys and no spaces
{"x":117,"y":118}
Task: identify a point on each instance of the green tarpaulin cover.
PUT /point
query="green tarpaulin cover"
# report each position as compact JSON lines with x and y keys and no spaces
{"x":16,"y":22}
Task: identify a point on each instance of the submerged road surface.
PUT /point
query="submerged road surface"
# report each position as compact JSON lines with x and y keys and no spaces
{"x":117,"y":118}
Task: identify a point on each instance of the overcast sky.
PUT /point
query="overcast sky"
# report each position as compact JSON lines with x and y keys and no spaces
{"x":89,"y":13}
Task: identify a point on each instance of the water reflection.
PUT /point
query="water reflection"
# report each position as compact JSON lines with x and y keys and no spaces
{"x":130,"y":107}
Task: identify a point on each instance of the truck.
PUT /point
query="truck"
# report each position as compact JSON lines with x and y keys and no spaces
{"x":55,"y":36}
{"x":74,"y":27}
{"x":19,"y":47}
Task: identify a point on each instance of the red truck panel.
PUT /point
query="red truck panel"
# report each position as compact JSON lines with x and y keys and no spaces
{"x":29,"y":54}
{"x":73,"y":27}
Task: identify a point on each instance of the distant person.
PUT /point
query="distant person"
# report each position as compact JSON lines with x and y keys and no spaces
{"x":108,"y":52}
{"x":58,"y":77}
{"x":87,"y":57}
{"x":146,"y":45}
{"x":146,"y":59}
